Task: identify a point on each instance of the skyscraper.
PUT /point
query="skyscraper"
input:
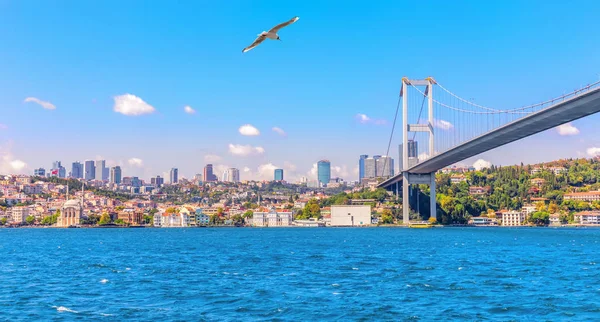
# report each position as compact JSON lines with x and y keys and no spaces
{"x":225,"y":176}
{"x":208,"y":173}
{"x":100,"y":164}
{"x":361,"y":167}
{"x":370,"y":168}
{"x":89,"y":170}
{"x":384,"y":167}
{"x":58,"y":170}
{"x":105,"y":174}
{"x":77,"y":170}
{"x":278,"y":175}
{"x":115,"y":175}
{"x":41,"y":172}
{"x":324,"y":172}
{"x":233,"y":175}
{"x":173,"y":176}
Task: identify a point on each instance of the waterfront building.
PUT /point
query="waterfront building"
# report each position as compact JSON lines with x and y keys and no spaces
{"x":174,"y":219}
{"x":278,"y":175}
{"x":323,"y":172}
{"x":202,"y":219}
{"x":272,"y":219}
{"x":157,"y":218}
{"x":70,"y":213}
{"x":483,"y":221}
{"x":512,"y":218}
{"x":587,"y":217}
{"x":350,"y":215}
{"x":19,"y":214}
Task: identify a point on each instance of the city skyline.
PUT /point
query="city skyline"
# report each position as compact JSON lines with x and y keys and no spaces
{"x":144,"y":99}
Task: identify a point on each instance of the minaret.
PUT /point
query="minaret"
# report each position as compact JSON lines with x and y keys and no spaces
{"x":82,"y":193}
{"x":67,"y":192}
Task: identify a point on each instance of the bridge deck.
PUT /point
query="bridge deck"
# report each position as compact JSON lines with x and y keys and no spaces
{"x":566,"y":111}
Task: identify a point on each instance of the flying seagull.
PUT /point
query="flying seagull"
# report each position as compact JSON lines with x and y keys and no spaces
{"x":271,"y":34}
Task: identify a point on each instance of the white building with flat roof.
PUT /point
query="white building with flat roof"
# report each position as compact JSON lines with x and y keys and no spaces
{"x":351,"y":215}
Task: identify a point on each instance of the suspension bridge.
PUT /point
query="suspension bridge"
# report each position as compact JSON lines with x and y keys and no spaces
{"x":453,"y":129}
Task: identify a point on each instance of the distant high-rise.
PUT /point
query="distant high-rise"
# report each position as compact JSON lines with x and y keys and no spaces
{"x":158,"y":181}
{"x":89,"y":170}
{"x":115,"y":175}
{"x":225,"y":176}
{"x":198,"y":177}
{"x":361,"y":167}
{"x":105,"y":174}
{"x":208,"y":173}
{"x":41,"y":172}
{"x":370,"y":168}
{"x":77,"y":170}
{"x":100,"y":164}
{"x":324,"y":172}
{"x":58,"y":170}
{"x":173,"y":176}
{"x":233,"y":175}
{"x":278,"y":175}
{"x":384,"y":167}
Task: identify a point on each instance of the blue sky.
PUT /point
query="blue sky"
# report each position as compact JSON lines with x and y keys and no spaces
{"x":338,"y":60}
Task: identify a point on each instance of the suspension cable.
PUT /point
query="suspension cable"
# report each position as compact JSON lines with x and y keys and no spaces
{"x":387,"y":154}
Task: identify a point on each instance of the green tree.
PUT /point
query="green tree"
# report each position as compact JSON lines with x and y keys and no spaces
{"x":30,"y":220}
{"x":386,"y":217}
{"x":2,"y":221}
{"x":120,"y":222}
{"x":104,"y":219}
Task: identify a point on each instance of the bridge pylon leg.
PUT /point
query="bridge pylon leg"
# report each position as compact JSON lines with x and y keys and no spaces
{"x":432,"y":198}
{"x":405,"y":200}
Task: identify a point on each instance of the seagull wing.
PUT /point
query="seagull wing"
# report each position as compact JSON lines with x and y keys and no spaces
{"x":256,"y":42}
{"x":281,"y":25}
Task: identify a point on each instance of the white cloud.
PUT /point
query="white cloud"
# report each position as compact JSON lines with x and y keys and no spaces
{"x":3,"y":126}
{"x":336,"y":171}
{"x":249,"y":130}
{"x":289,"y":166}
{"x":17,"y":165}
{"x":188,"y":109}
{"x":481,"y":164}
{"x":245,"y":150}
{"x":212,"y":158}
{"x":131,"y":105}
{"x":136,"y":162}
{"x":246,"y":169}
{"x":8,"y":163}
{"x":44,"y":104}
{"x":279,"y":131}
{"x":593,"y":151}
{"x":444,"y":125}
{"x":567,"y":129}
{"x":423,"y":156}
{"x":364,"y":119}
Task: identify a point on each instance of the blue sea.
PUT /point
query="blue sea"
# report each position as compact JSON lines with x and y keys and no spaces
{"x":300,"y":274}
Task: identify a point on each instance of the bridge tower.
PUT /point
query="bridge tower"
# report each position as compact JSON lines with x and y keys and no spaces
{"x":409,"y":178}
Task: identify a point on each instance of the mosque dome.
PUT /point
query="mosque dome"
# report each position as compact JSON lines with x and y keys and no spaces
{"x":72,"y":203}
